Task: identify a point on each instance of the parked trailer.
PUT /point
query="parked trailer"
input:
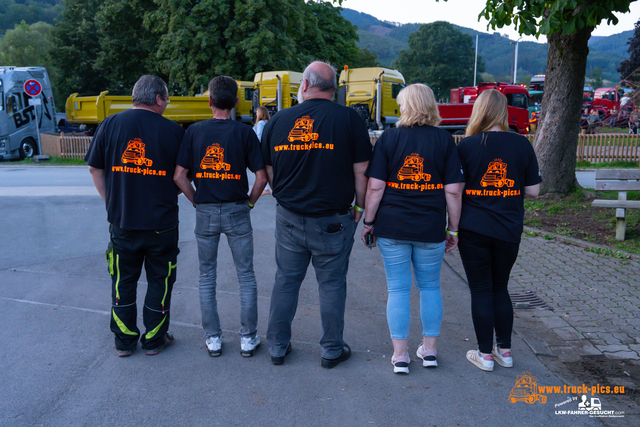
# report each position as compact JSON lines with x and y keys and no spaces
{"x":26,"y":110}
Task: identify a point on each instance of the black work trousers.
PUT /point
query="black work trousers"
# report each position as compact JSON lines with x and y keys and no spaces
{"x":127,"y":251}
{"x":487,"y":263}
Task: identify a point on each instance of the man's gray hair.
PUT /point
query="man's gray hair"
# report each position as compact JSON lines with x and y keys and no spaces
{"x":315,"y":80}
{"x":147,"y":88}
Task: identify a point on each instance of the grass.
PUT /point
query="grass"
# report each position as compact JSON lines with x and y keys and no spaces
{"x":55,"y":161}
{"x":608,"y":252}
{"x":609,"y":165}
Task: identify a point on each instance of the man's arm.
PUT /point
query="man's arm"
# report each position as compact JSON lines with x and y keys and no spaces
{"x":258,"y":186}
{"x":270,"y":175}
{"x":98,"y":180}
{"x":183,"y":183}
{"x":361,"y":186}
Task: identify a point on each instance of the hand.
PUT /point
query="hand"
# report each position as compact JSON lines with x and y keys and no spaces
{"x":356,"y":215}
{"x":366,"y":231}
{"x":451,"y":243}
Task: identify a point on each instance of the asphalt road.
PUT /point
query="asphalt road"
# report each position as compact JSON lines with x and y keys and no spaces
{"x":59,"y":366}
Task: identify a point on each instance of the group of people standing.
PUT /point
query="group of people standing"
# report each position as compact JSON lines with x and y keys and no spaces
{"x":418,"y":193}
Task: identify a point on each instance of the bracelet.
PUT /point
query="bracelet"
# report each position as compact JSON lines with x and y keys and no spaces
{"x":368,"y":227}
{"x":358,"y":208}
{"x":368,"y":223}
{"x":453,"y":233}
{"x":251,"y":205}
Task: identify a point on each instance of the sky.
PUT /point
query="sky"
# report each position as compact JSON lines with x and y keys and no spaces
{"x":465,"y":14}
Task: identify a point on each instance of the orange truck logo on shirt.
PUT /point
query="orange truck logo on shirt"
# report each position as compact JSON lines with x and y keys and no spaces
{"x":526,"y":390}
{"x":303,"y":130}
{"x":496,"y":175}
{"x":134,"y":153}
{"x":214,"y":159}
{"x":412,"y":169}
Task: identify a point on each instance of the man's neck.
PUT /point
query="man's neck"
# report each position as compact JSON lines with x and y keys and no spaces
{"x":221,"y":114}
{"x":316,"y":94}
{"x":152,"y":108}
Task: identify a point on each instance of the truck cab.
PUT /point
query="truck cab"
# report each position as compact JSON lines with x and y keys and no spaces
{"x":22,"y":116}
{"x":372,"y":92}
{"x":276,"y":90}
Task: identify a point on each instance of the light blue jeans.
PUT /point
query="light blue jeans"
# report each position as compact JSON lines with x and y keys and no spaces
{"x":232,"y":219}
{"x":398,"y":256}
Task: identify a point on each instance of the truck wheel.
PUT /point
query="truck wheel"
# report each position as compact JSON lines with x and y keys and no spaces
{"x":27,"y":148}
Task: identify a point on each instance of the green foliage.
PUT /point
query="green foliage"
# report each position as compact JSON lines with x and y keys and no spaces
{"x":387,"y":49}
{"x":439,"y":56}
{"x":628,"y":67}
{"x":596,"y":77}
{"x":364,"y":59}
{"x":13,"y":12}
{"x":26,"y":45}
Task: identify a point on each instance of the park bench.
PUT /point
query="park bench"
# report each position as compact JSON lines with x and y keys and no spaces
{"x":621,"y":181}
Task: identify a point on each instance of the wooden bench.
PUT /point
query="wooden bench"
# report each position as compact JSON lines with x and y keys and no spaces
{"x":622,"y":181}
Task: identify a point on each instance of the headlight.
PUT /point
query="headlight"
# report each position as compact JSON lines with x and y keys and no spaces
{"x":3,"y":142}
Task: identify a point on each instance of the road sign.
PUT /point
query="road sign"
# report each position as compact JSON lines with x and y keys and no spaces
{"x":32,"y":87}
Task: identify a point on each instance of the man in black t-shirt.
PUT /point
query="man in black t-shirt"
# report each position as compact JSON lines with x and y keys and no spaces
{"x":218,"y":153}
{"x":316,"y":155}
{"x":132,"y":161}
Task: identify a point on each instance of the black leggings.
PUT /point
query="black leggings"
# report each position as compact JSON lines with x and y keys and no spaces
{"x":487,"y":262}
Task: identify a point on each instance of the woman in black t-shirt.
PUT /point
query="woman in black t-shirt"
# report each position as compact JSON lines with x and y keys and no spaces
{"x":414,"y":178}
{"x":500,"y":170}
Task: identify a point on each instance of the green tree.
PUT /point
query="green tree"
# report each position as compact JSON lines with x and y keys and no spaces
{"x":26,"y":45}
{"x":363,"y":59}
{"x":628,"y":68}
{"x":127,"y":48}
{"x":568,"y":25}
{"x":596,"y":77}
{"x":76,"y":49}
{"x":439,"y":56}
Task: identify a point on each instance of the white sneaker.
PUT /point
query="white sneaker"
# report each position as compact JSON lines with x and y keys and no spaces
{"x":483,"y":362}
{"x":504,"y":359}
{"x":428,"y":361}
{"x":401,"y":364}
{"x":214,"y":346}
{"x":248,"y":345}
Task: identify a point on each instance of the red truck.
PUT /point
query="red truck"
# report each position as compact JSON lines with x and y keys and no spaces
{"x":456,"y":114}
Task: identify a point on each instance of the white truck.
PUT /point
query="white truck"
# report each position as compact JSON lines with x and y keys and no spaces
{"x":26,"y":110}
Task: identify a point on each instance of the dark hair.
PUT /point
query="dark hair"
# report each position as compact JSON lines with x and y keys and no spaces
{"x":147,"y":88}
{"x":223,"y":91}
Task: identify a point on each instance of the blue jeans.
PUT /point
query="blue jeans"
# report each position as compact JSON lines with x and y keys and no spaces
{"x":232,"y":219}
{"x":327,"y":242}
{"x":398,"y":256}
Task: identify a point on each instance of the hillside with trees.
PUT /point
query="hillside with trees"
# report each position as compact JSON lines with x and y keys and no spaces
{"x":14,"y":12}
{"x":606,"y":53}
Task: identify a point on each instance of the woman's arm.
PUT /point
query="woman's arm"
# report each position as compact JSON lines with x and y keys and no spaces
{"x":453,"y":195}
{"x":375,"y":191}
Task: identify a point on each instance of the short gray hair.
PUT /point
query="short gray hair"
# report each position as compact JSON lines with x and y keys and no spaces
{"x":147,"y":88}
{"x":317,"y":81}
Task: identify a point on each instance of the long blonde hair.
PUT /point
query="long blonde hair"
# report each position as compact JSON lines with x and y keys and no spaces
{"x":418,"y":106}
{"x":262,"y":114}
{"x":490,"y":109}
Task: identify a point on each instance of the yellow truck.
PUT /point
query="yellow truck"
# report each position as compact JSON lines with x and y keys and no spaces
{"x":372,"y":92}
{"x":92,"y":110}
{"x":276,"y":90}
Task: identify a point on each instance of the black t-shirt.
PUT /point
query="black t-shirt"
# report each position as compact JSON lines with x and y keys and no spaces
{"x":312,"y":148}
{"x":137,"y":150}
{"x":497,"y":166}
{"x":218,"y":152}
{"x":416,"y":163}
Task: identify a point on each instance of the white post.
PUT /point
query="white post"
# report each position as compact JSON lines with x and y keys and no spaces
{"x":515,"y":63}
{"x":475,"y":66}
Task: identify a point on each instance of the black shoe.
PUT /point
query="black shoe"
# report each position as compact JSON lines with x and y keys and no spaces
{"x":332,"y":363}
{"x":168,"y":342}
{"x":124,"y":352}
{"x":279,"y":360}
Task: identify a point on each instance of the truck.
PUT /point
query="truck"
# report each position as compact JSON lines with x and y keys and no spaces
{"x":605,"y":99}
{"x":537,"y":82}
{"x":214,"y":159}
{"x":496,"y":175}
{"x":412,"y":169}
{"x":276,"y":90}
{"x":92,"y":110}
{"x":26,"y":110}
{"x":526,"y":390}
{"x":456,"y":114}
{"x":372,"y":92}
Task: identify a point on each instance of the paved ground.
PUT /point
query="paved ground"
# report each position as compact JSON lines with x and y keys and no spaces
{"x":60,"y":368}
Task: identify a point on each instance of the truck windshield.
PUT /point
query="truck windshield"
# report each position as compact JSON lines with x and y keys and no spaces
{"x":519,"y":100}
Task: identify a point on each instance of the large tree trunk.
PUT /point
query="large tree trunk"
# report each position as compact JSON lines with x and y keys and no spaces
{"x":557,"y":134}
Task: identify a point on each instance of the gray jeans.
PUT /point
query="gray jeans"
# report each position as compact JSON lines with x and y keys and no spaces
{"x":327,"y":242}
{"x":232,"y":219}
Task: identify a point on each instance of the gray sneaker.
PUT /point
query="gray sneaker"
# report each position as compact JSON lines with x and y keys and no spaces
{"x":214,"y":346}
{"x":249,"y":345}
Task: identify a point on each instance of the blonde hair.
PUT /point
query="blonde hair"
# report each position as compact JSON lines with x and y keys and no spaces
{"x":418,"y":106}
{"x":262,"y":114}
{"x":489,"y":110}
